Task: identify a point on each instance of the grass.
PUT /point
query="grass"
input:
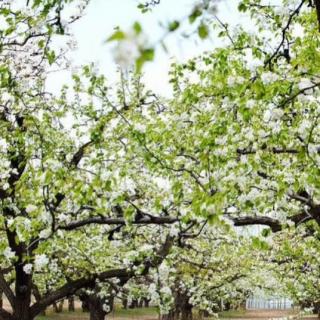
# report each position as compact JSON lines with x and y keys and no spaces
{"x":136,"y":312}
{"x":119,"y":313}
{"x":232,"y":313}
{"x":123,"y":313}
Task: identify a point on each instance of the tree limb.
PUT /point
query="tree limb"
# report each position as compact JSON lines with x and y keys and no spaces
{"x":7,"y":290}
{"x":117,"y":221}
{"x":274,"y":224}
{"x":123,"y":274}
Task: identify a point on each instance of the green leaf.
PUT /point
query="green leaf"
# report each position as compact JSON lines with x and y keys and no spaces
{"x":203,"y":31}
{"x":242,"y":7}
{"x":41,"y":44}
{"x":117,"y":36}
{"x":146,"y":55}
{"x":266,"y":232}
{"x":137,"y":28}
{"x":51,"y":56}
{"x":174,"y":25}
{"x":194,"y":15}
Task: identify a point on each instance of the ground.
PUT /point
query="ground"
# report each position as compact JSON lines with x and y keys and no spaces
{"x":261,"y":314}
{"x":151,"y":314}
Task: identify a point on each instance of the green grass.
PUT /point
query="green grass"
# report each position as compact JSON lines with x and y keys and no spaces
{"x":232,"y":313}
{"x":64,"y":315}
{"x":136,"y":312}
{"x":79,"y":315}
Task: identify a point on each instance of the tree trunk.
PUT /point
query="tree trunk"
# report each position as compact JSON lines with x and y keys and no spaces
{"x":58,"y":306}
{"x":96,"y":308}
{"x":133,"y":304}
{"x":84,"y":302}
{"x":182,"y":308}
{"x":146,"y":302}
{"x":203,"y":314}
{"x":186,"y":312}
{"x":55,"y":307}
{"x":21,"y":310}
{"x":169,"y":316}
{"x":125,"y":303}
{"x":23,"y":295}
{"x":71,"y":306}
{"x":1,"y":298}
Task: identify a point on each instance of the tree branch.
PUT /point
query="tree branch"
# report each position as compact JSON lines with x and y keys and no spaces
{"x":5,"y":315}
{"x":7,"y":290}
{"x":117,"y":221}
{"x":124,"y":274}
{"x":274,"y":224}
{"x":317,"y":4}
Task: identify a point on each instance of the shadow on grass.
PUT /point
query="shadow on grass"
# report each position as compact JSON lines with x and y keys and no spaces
{"x":140,"y":313}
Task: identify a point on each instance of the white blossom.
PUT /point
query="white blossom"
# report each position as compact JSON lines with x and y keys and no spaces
{"x":27,"y":268}
{"x":8,"y":253}
{"x":140,"y":127}
{"x":269,"y":77}
{"x":305,"y":84}
{"x":40,"y":261}
{"x":251,"y":103}
{"x":6,"y":186}
{"x":105,"y":308}
{"x":44,"y":234}
{"x":235,"y":80}
{"x":129,"y":49}
{"x":30,"y":208}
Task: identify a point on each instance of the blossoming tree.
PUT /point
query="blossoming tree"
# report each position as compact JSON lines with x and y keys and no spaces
{"x":64,"y":167}
{"x":240,"y":140}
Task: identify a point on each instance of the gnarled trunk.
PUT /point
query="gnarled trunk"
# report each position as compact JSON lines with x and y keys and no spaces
{"x":181,"y":309}
{"x":96,"y":308}
{"x":21,"y":309}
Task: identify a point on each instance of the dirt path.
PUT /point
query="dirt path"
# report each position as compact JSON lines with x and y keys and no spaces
{"x":267,"y":315}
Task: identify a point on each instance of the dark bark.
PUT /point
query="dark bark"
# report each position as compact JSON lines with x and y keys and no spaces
{"x":118,"y":221}
{"x":146,"y":302}
{"x":96,"y":308}
{"x":58,"y":306}
{"x":317,"y":4}
{"x":84,"y":303}
{"x":23,"y":285}
{"x":71,"y":307}
{"x":184,"y":306}
{"x":5,"y":315}
{"x":125,"y":303}
{"x":274,"y":224}
{"x":203,"y":314}
{"x":133,"y":304}
{"x":169,"y":316}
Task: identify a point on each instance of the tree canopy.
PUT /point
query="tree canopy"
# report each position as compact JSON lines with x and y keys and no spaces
{"x":103,"y":186}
